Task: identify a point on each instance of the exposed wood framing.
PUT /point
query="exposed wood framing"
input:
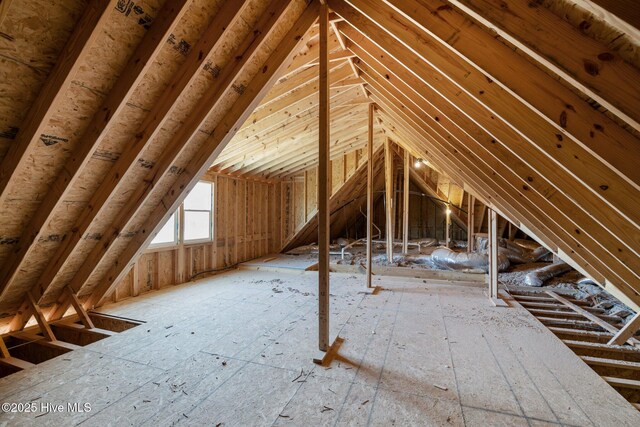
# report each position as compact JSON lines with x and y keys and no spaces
{"x":40,"y":318}
{"x":530,"y":108}
{"x":492,"y":251}
{"x":324,"y":185}
{"x":531,"y":179}
{"x":113,"y":104}
{"x":628,"y":331}
{"x":4,"y":351}
{"x":389,"y":196}
{"x":208,"y":151}
{"x":370,"y":195}
{"x":80,"y":311}
{"x":471,"y":201}
{"x":599,"y":320}
{"x":77,"y":49}
{"x":405,"y":203}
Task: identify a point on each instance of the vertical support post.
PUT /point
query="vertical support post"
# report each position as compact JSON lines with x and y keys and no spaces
{"x":388,"y":194}
{"x":370,"y":195}
{"x":447,"y":226}
{"x":323,"y":184}
{"x":471,"y":220}
{"x":493,"y":254}
{"x":405,"y":205}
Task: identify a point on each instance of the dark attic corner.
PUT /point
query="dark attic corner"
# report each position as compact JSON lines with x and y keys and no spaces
{"x":320,"y":212}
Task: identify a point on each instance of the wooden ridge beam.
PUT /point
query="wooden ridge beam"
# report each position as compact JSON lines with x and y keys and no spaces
{"x":226,"y":128}
{"x":77,"y":48}
{"x":101,"y":122}
{"x":565,"y":163}
{"x":584,"y":62}
{"x":531,"y":177}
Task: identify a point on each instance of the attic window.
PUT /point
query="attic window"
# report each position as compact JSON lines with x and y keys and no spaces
{"x":168,"y":234}
{"x":198,"y":207}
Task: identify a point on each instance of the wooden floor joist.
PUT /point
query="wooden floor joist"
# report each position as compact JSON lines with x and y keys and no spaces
{"x":598,"y":319}
{"x":590,"y":339}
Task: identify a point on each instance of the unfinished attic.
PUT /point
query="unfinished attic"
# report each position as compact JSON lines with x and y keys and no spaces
{"x":320,"y":212}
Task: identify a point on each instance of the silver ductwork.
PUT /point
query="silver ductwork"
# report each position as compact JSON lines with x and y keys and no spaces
{"x":537,"y":277}
{"x":446,"y":258}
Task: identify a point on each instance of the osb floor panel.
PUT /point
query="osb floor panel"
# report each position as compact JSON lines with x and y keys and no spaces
{"x":294,"y":262}
{"x":236,"y":349}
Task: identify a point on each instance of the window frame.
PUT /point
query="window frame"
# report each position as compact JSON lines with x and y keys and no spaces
{"x":211,"y":219}
{"x":176,"y":235}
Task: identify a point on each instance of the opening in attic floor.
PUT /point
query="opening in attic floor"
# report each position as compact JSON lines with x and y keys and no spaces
{"x":319,"y":212}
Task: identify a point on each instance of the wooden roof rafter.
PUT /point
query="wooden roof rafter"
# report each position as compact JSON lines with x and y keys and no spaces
{"x":355,"y":18}
{"x":230,"y":123}
{"x":139,"y":142}
{"x":525,"y":181}
{"x":138,"y":64}
{"x":91,"y":24}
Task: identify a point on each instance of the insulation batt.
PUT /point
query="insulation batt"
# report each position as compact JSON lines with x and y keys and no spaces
{"x":446,"y":258}
{"x":538,"y":277}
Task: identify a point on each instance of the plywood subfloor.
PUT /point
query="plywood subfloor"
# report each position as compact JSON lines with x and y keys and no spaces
{"x":279,"y":262}
{"x":236,"y":349}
